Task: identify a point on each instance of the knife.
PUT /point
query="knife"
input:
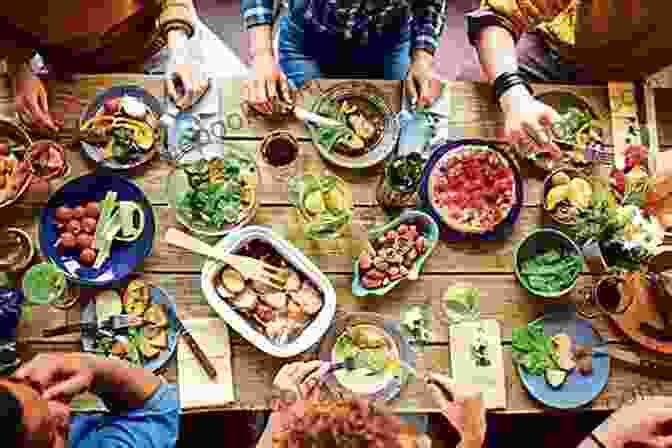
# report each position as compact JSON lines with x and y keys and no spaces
{"x":198,"y":351}
{"x":303,"y":114}
{"x":658,"y":366}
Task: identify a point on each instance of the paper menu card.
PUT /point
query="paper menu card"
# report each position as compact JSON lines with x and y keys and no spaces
{"x":485,"y":372}
{"x":196,"y":388}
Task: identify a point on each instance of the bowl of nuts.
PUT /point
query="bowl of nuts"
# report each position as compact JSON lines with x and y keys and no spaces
{"x":394,"y":252}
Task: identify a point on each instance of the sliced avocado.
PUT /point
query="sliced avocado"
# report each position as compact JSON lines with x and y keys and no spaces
{"x":555,"y":377}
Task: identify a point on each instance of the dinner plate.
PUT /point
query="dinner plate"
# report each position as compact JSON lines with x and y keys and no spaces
{"x":370,"y":93}
{"x":95,"y":153}
{"x":157,"y":296}
{"x":124,"y":256}
{"x":578,"y":390}
{"x":504,"y":229}
{"x":382,"y":386}
{"x":14,"y":132}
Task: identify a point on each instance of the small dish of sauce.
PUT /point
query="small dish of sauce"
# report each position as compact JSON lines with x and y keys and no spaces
{"x":16,"y":249}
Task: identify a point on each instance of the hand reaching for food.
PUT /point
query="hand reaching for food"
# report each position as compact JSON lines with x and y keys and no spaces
{"x":644,"y":423}
{"x":31,"y":101}
{"x":269,"y":90}
{"x":527,"y":118}
{"x":462,"y":405}
{"x":421,"y":86}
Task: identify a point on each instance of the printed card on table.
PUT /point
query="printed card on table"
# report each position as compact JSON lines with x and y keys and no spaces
{"x":477,"y":358}
{"x":196,"y":388}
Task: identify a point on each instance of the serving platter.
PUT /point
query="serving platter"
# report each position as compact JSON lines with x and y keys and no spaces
{"x":578,"y":390}
{"x":157,"y":296}
{"x":95,"y":152}
{"x":363,"y":93}
{"x":504,"y":229}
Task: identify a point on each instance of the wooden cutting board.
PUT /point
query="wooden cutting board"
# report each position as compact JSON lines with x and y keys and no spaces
{"x":491,"y":379}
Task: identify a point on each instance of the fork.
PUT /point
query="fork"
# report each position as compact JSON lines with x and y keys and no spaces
{"x":247,"y":266}
{"x":114,"y":323}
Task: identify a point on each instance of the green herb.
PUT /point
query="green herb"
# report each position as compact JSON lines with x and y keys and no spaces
{"x":534,"y":351}
{"x":551,"y":271}
{"x":416,"y":321}
{"x":572,"y":123}
{"x":599,"y":221}
{"x":405,"y":172}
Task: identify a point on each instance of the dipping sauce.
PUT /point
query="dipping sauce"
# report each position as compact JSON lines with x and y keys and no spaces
{"x":16,"y":249}
{"x":280,"y":151}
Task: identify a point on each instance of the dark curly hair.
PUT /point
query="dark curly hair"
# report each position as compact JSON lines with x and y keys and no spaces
{"x":340,"y":424}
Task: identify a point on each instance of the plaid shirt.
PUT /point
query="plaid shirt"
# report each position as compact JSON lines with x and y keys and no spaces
{"x":356,"y":19}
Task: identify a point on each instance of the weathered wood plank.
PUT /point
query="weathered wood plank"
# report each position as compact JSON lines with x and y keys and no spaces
{"x":663,"y":115}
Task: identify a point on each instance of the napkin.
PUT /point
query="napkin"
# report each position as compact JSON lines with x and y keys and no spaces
{"x":196,"y":388}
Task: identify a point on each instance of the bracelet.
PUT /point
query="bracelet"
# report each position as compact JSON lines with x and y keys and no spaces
{"x":597,"y":441}
{"x":507,"y":80}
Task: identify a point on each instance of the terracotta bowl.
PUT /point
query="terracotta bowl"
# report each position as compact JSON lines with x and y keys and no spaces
{"x":14,"y":131}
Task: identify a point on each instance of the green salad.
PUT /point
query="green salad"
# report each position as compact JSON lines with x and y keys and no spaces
{"x":533,"y":350}
{"x":220,"y":192}
{"x":551,"y":271}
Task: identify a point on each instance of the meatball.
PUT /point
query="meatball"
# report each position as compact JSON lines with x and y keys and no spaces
{"x":64,"y":213}
{"x":87,"y":257}
{"x":92,"y":210}
{"x":68,"y":240}
{"x":89,"y":225}
{"x":84,"y":241}
{"x":74,"y":226}
{"x":78,"y":212}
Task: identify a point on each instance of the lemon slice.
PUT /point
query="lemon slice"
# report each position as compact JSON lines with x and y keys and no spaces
{"x":560,"y":179}
{"x":556,"y":195}
{"x":580,"y":192}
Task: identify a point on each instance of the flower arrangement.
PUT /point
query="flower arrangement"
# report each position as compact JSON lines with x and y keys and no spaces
{"x":621,"y":218}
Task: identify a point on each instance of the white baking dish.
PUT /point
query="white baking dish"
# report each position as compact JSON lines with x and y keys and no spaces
{"x":312,"y":333}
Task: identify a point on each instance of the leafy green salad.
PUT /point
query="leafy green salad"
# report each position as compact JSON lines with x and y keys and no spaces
{"x":551,"y":271}
{"x":533,"y":350}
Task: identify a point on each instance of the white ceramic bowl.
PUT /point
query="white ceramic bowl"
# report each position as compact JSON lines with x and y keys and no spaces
{"x":312,"y":333}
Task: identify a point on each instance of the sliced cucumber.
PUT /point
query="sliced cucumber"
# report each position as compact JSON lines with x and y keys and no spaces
{"x":556,"y":377}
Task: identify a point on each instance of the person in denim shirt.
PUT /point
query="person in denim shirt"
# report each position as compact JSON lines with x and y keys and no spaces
{"x":35,"y":411}
{"x":346,"y":39}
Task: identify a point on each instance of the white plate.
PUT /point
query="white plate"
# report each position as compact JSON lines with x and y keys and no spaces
{"x":312,"y":333}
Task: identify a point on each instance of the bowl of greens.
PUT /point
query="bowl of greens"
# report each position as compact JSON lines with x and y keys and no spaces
{"x":547,"y":263}
{"x":216,"y":196}
{"x":324,"y":205}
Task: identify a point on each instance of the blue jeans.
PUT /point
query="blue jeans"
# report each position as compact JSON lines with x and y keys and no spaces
{"x":306,"y":54}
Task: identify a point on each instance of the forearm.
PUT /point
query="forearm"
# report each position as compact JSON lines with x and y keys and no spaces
{"x":497,"y":52}
{"x":121,"y":385}
{"x":261,"y":39}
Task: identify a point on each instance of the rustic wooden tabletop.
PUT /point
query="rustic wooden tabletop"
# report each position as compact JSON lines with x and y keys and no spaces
{"x":486,"y":265}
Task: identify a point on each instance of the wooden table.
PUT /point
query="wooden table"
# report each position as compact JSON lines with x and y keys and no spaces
{"x":487,"y":265}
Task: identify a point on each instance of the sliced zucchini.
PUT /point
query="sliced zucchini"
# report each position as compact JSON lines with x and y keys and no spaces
{"x":556,"y":377}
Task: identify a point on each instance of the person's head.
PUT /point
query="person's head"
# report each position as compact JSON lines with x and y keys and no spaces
{"x":28,"y":420}
{"x":343,"y":424}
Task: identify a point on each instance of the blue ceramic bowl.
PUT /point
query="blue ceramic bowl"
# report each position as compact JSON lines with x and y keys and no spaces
{"x":500,"y":232}
{"x":124,"y":257}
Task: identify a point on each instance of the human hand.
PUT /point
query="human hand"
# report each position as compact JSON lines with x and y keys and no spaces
{"x":525,"y":115}
{"x":31,"y":101}
{"x":646,"y":423}
{"x":462,"y":405}
{"x":59,"y":376}
{"x":419,"y":80}
{"x":268,"y":85}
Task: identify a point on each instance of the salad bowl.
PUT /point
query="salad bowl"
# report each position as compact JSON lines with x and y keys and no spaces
{"x":427,"y":228}
{"x":180,"y":191}
{"x":123,"y":256}
{"x":537,"y":243}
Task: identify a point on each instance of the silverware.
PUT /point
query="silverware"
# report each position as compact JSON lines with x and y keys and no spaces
{"x":114,"y":325}
{"x":198,"y":351}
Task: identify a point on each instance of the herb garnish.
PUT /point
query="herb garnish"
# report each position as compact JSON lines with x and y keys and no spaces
{"x":533,"y":350}
{"x":551,"y":271}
